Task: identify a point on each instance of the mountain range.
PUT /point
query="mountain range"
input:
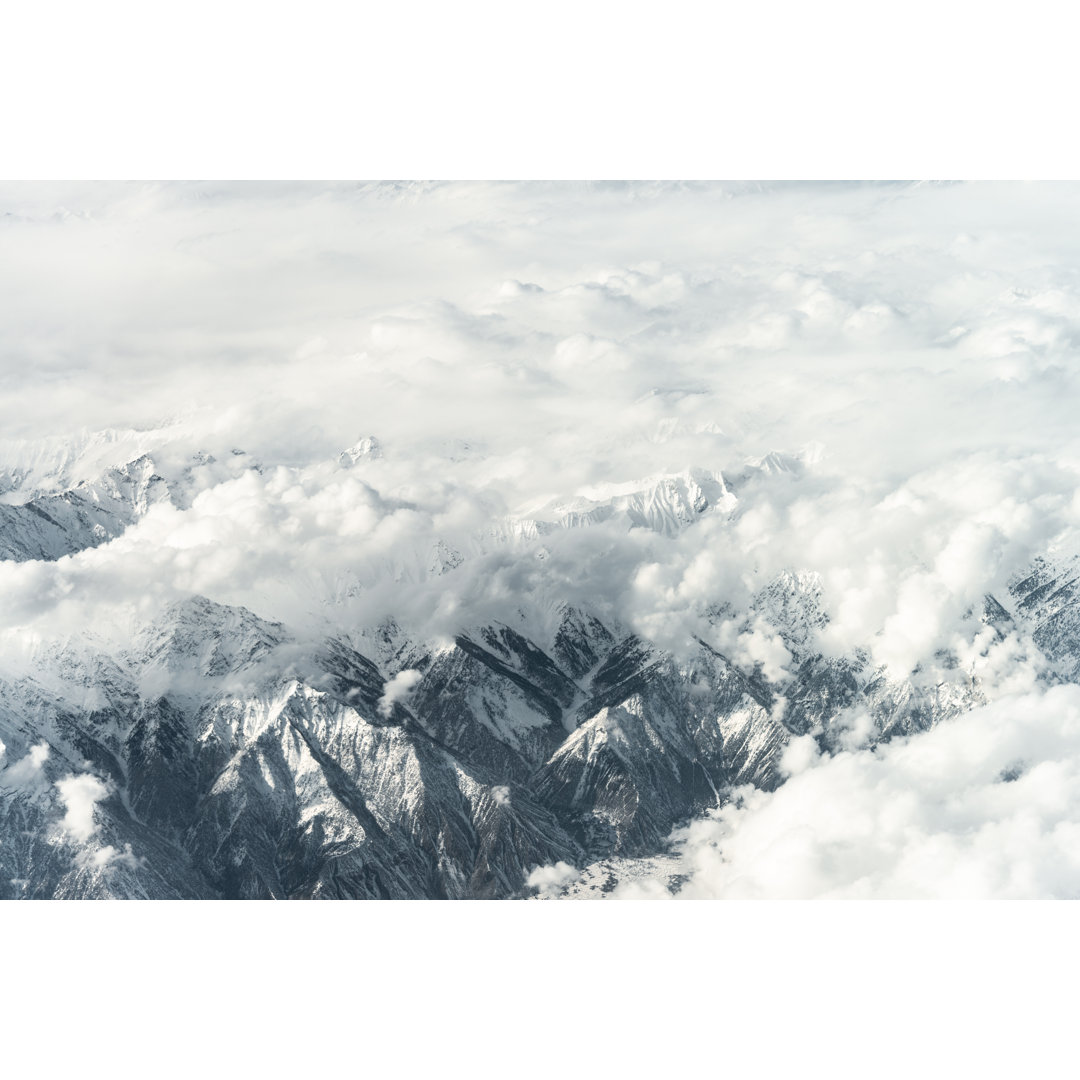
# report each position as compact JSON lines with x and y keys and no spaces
{"x":218,"y":754}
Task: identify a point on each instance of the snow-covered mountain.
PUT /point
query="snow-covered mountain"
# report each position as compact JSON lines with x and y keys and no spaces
{"x":470,"y":539}
{"x":663,"y":504}
{"x":218,"y":754}
{"x":50,"y":526}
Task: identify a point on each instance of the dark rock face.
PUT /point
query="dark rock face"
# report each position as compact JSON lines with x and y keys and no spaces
{"x":234,"y":761}
{"x":1049,"y":599}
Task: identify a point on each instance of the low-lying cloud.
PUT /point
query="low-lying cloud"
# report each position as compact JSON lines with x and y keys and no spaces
{"x":549,"y":881}
{"x":27,"y":772}
{"x":398,"y":689}
{"x":80,"y":795}
{"x":984,"y":805}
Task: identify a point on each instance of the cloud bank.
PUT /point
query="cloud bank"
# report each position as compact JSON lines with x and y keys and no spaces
{"x":907,"y":347}
{"x":982,"y":806}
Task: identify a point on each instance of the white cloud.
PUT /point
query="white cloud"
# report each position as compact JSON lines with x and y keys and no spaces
{"x":985,"y":805}
{"x":800,"y":754}
{"x":549,"y":881}
{"x":108,"y":856}
{"x":398,"y":689}
{"x":27,"y":771}
{"x":616,"y":364}
{"x":80,"y":795}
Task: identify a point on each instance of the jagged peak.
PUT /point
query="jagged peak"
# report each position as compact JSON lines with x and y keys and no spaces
{"x":56,"y":464}
{"x":665,"y":502}
{"x":368,"y":448}
{"x":196,"y":632}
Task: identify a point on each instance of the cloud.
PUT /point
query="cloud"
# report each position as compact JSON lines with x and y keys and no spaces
{"x":933,"y":480}
{"x":800,"y":754}
{"x":108,"y":856}
{"x":984,"y":805}
{"x":549,"y":881}
{"x":662,"y":328}
{"x":80,"y":795}
{"x":27,"y":771}
{"x":398,"y":689}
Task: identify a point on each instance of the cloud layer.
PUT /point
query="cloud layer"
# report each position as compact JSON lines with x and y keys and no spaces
{"x":511,"y":344}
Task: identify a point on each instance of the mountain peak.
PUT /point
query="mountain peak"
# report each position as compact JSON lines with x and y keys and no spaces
{"x":368,"y":447}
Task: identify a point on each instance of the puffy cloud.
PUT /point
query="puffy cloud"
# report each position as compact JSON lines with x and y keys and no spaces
{"x":800,"y":754}
{"x":80,"y":795}
{"x":931,"y":481}
{"x":398,"y":689}
{"x":108,"y":856}
{"x":549,"y":881}
{"x":612,"y":363}
{"x":27,"y":771}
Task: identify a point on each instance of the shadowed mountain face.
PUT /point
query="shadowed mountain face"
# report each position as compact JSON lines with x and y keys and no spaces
{"x":222,"y":757}
{"x":1049,"y":599}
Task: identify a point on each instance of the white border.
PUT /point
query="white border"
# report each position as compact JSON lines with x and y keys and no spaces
{"x":585,"y":89}
{"x":876,"y":989}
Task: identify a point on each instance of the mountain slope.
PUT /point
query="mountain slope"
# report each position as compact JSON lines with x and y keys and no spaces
{"x":91,"y":513}
{"x":220,"y":756}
